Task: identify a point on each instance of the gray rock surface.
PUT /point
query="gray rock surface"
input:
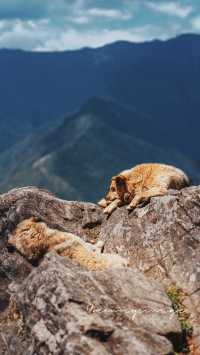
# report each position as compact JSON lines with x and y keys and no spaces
{"x":74,"y":217}
{"x":71,"y":311}
{"x":81,"y":218}
{"x":162,"y":240}
{"x":84,"y":219}
{"x":68,"y":310}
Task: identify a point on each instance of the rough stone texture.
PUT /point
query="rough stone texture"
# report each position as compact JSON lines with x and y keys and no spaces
{"x":66,"y":307}
{"x":71,"y":311}
{"x":83,"y":219}
{"x":74,"y":217}
{"x":80,"y":218}
{"x":13,"y":269}
{"x":162,"y":240}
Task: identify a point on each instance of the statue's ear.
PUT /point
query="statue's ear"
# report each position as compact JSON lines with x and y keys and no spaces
{"x":114,"y":178}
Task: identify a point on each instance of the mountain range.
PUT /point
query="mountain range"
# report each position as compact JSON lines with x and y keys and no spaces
{"x":70,"y":120}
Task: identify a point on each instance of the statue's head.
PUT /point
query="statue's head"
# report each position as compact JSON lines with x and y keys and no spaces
{"x":118,"y":189}
{"x":29,"y":239}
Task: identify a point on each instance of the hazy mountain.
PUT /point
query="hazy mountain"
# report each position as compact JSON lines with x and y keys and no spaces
{"x":160,"y":80}
{"x":77,"y":159}
{"x":126,"y":103}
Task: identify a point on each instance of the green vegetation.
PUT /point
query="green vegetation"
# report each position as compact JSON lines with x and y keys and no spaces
{"x":176,"y":296}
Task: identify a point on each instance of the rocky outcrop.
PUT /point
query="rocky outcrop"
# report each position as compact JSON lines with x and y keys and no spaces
{"x":74,"y":217}
{"x":162,"y":240}
{"x":71,"y":311}
{"x":57,"y":307}
{"x":83,"y":219}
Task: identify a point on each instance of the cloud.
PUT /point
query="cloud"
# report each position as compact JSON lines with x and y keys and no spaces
{"x":40,"y":35}
{"x":71,"y":24}
{"x":23,"y":9}
{"x":36,"y":9}
{"x":171,"y":8}
{"x":79,"y":20}
{"x":46,"y":35}
{"x":91,"y":14}
{"x":73,"y":39}
{"x":109,"y":13}
{"x":23,"y":34}
{"x":196,"y":23}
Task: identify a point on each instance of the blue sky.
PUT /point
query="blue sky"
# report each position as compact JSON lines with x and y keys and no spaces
{"x":46,"y":25}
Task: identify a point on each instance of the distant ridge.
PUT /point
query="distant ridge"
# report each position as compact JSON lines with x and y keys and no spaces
{"x":77,"y":159}
{"x":158,"y":79}
{"x":70,"y":120}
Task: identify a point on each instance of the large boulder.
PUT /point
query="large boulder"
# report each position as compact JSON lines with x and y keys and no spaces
{"x":58,"y":306}
{"x":70,"y":311}
{"x":83,"y":219}
{"x":162,"y":240}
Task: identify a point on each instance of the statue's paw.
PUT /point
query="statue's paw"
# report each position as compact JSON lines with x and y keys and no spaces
{"x":103,"y":203}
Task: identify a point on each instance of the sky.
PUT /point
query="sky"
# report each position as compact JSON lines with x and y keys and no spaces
{"x":54,"y":25}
